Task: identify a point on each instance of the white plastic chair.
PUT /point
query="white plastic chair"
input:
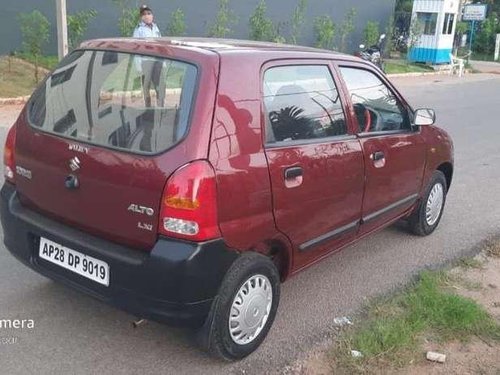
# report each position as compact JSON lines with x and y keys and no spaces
{"x":456,"y":64}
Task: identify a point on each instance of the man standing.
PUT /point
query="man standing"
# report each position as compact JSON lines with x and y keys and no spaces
{"x":146,"y":28}
{"x":150,"y":68}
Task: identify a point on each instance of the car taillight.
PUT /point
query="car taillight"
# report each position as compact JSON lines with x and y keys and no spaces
{"x":9,"y":165}
{"x":189,"y":203}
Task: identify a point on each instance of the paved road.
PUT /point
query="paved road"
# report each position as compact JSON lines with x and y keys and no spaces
{"x":75,"y":334}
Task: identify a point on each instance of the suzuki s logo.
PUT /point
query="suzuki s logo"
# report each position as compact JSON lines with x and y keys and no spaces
{"x":74,"y":164}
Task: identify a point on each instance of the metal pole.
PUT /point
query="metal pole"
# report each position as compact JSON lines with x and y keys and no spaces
{"x":472,"y":34}
{"x":497,"y":48}
{"x":62,"y":29}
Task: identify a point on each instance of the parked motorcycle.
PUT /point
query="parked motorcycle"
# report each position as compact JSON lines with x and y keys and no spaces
{"x":373,"y":53}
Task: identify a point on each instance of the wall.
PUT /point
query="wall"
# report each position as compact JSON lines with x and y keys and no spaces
{"x":197,"y":17}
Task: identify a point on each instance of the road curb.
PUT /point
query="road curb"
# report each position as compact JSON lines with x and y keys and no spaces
{"x":417,"y":74}
{"x":422,"y":74}
{"x":14,"y":101}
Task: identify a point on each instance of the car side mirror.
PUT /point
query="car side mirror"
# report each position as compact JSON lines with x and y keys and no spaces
{"x":424,"y":117}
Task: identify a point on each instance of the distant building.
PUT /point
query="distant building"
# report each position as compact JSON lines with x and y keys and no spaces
{"x":438,"y":20}
{"x":198,"y":16}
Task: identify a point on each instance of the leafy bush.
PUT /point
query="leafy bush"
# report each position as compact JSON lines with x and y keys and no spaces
{"x":404,"y":5}
{"x":261,"y":26}
{"x":416,"y":31}
{"x":224,"y":19}
{"x":129,"y":17}
{"x":346,"y":29}
{"x":389,"y":37}
{"x":297,"y":21}
{"x":371,"y":33}
{"x":484,"y":41}
{"x":35,"y":32}
{"x":77,"y":26}
{"x":177,"y":23}
{"x":324,"y":29}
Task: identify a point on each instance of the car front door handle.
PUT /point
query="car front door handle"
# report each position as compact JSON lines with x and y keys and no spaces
{"x":377,"y":155}
{"x":293,"y":172}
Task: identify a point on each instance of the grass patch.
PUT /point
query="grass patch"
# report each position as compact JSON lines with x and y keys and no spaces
{"x":470,"y":263}
{"x":16,"y":78}
{"x":17,"y":75}
{"x":401,"y":66}
{"x":482,"y":57}
{"x":493,"y":249}
{"x":46,"y":62}
{"x":395,"y":326}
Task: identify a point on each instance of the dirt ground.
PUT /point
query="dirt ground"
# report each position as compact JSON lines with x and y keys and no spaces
{"x":478,"y":356}
{"x":8,"y":114}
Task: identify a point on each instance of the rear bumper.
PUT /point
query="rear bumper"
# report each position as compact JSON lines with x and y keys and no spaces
{"x":175,"y":283}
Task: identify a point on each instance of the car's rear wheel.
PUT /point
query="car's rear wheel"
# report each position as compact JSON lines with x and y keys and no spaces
{"x":427,"y":215}
{"x":244,"y":308}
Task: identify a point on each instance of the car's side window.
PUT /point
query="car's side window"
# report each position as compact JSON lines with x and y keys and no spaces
{"x":377,"y":108}
{"x":301,"y":102}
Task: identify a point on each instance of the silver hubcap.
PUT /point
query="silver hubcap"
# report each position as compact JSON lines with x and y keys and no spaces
{"x":250,"y":309}
{"x":434,"y":204}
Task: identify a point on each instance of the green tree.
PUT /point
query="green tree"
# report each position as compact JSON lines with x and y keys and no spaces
{"x":404,"y":6}
{"x":371,"y":33}
{"x":324,"y":29}
{"x":176,"y":24}
{"x":35,"y":32}
{"x":261,"y":27}
{"x":347,"y":28}
{"x":484,"y":41}
{"x":129,"y":16}
{"x":224,"y":20}
{"x":297,"y":21}
{"x":77,"y":26}
{"x":389,"y":37}
{"x":279,"y":38}
{"x":416,"y":31}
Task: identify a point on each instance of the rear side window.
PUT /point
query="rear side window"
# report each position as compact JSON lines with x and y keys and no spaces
{"x":302,"y":102}
{"x":129,"y":102}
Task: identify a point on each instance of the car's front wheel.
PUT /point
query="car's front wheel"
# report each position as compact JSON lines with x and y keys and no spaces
{"x":244,"y":308}
{"x":427,"y":215}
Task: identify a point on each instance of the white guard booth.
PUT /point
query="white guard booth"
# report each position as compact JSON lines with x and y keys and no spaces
{"x":438,"y":20}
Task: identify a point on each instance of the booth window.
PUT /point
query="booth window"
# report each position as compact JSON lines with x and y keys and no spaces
{"x":449,"y":19}
{"x":428,"y":21}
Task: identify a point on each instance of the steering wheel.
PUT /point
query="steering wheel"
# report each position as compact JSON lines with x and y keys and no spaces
{"x":364,"y":117}
{"x":368,"y":120}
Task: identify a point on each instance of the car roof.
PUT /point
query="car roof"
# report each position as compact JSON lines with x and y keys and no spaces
{"x":221,"y":46}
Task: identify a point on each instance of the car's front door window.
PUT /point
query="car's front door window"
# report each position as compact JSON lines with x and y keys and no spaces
{"x":377,"y":108}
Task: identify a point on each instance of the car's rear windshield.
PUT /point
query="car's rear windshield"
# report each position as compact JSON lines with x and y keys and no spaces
{"x":130,"y":102}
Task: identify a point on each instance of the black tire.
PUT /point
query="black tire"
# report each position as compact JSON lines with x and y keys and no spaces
{"x":214,"y":336}
{"x":418,"y":222}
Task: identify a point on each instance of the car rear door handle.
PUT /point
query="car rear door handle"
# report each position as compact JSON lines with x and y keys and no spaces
{"x":293,"y":172}
{"x":377,"y":155}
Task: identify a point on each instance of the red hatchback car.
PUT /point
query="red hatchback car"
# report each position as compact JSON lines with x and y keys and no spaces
{"x":183,"y":179}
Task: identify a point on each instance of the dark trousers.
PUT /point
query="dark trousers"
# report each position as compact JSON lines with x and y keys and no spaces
{"x":153,"y":76}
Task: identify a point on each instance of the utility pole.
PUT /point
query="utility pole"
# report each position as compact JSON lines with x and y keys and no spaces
{"x":62,"y":29}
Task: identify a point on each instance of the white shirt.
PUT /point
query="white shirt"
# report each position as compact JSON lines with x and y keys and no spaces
{"x":144,"y":31}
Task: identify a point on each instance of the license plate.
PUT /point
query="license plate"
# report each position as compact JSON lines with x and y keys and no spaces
{"x":84,"y":265}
